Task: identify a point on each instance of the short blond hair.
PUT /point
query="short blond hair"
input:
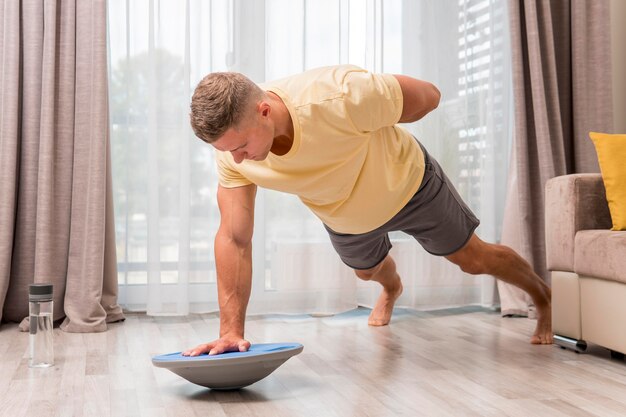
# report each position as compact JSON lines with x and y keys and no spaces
{"x":220,"y":101}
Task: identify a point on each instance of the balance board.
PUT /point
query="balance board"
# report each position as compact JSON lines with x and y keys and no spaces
{"x":230,"y":370}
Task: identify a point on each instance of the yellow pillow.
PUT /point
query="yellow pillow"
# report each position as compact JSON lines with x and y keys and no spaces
{"x":611,"y":150}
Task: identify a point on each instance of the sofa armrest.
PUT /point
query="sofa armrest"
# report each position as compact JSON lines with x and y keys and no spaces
{"x":573,"y":202}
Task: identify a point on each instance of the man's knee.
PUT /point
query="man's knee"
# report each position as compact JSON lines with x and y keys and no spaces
{"x":488,"y":260}
{"x":473,"y":266}
{"x":367,"y":274}
{"x":472,"y":258}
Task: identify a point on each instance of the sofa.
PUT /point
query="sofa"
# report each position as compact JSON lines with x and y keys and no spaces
{"x":587,"y":262}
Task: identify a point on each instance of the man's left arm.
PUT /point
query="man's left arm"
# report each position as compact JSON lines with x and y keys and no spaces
{"x":419,"y":98}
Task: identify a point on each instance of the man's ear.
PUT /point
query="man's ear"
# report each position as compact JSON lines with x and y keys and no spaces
{"x":265,"y":109}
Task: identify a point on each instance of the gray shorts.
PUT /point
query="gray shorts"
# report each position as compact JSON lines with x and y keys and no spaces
{"x":436,"y":217}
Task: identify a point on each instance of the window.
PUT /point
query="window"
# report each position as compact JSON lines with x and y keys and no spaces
{"x":164,"y":178}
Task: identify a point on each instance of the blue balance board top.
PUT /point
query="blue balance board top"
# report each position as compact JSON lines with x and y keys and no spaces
{"x":260,"y":351}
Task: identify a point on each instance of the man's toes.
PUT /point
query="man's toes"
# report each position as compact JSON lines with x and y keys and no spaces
{"x":378,"y":322}
{"x":541,"y":340}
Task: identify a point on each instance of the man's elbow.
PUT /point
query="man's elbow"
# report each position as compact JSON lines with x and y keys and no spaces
{"x":420,"y":101}
{"x":435,"y":97}
{"x":430,"y":103}
{"x":241,"y":238}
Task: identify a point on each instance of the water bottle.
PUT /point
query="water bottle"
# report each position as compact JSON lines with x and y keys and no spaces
{"x":41,"y":341}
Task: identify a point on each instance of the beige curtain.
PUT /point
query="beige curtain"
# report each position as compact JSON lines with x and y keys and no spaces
{"x":56,"y":220}
{"x":562,"y":90}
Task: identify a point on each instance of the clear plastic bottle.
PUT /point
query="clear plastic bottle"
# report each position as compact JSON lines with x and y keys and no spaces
{"x":41,"y":340}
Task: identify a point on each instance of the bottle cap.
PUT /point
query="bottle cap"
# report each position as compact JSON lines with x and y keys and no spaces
{"x":40,"y":292}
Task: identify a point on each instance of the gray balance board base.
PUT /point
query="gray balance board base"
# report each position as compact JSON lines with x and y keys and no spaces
{"x":231,"y":370}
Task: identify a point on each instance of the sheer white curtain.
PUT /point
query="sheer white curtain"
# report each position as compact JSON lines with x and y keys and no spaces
{"x":165,"y":179}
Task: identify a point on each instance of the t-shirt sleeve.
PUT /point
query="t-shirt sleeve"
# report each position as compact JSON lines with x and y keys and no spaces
{"x":372,"y":101}
{"x":228,"y":176}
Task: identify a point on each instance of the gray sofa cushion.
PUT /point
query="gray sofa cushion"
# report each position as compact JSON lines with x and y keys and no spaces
{"x":601,"y":254}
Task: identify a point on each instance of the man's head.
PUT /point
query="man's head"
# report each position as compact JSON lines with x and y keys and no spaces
{"x":222,"y":100}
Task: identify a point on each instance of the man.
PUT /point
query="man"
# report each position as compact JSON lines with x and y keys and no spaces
{"x":330,"y":136}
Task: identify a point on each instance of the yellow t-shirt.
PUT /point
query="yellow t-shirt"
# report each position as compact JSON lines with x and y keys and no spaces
{"x":349,"y":163}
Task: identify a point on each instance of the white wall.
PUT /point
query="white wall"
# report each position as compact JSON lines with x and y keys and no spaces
{"x":618,"y":46}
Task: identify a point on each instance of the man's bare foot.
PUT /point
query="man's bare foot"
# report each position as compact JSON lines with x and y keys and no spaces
{"x":543,"y":331}
{"x":381,"y":314}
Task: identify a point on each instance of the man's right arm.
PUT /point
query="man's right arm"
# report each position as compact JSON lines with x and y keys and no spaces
{"x":233,"y":259}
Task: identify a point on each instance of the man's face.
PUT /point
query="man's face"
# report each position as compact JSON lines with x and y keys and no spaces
{"x":253,"y":140}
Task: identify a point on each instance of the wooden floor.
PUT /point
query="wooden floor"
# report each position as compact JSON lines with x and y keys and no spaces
{"x":467,"y":362}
